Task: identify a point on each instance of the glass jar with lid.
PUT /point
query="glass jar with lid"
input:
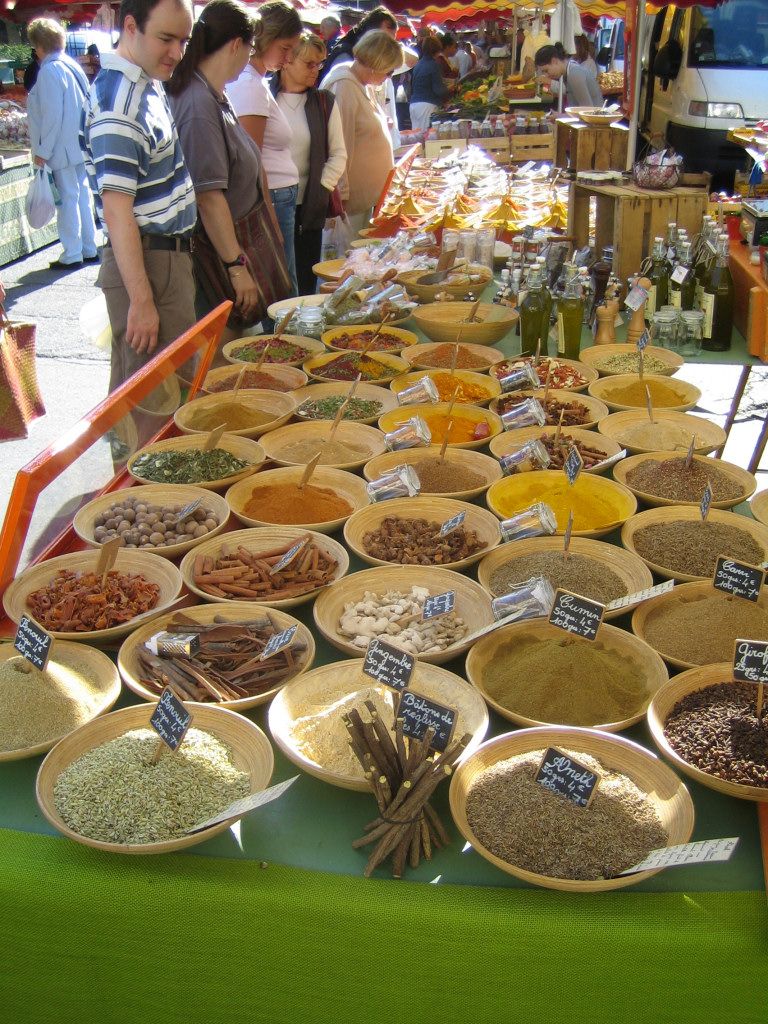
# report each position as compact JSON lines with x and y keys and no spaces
{"x":309,"y":321}
{"x":691,"y":333}
{"x":666,"y":330}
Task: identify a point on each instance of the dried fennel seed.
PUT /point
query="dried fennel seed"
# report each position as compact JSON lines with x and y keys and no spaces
{"x":115,"y":794}
{"x":529,"y":826}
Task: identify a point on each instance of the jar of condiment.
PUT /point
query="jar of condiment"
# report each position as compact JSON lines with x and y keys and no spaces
{"x":536,"y":521}
{"x":529,"y":600}
{"x":691,"y":332}
{"x":450,"y":240}
{"x":532,"y":455}
{"x":423,"y":391}
{"x":522,"y":378}
{"x":414,"y":433}
{"x":401,"y":482}
{"x":467,"y":246}
{"x":486,"y":244}
{"x":529,"y":413}
{"x":665,"y":328}
{"x":309,"y":321}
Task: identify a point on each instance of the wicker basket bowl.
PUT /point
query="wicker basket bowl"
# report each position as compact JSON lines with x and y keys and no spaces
{"x":470,"y":280}
{"x":287,"y":378}
{"x":206,"y":614}
{"x":491,"y":387}
{"x":661,"y":707}
{"x":596,"y":410}
{"x":595,"y":116}
{"x":368,"y":392}
{"x":258,"y":541}
{"x":241,"y":447}
{"x":331,"y":338}
{"x":597,"y":355}
{"x":512,"y":439}
{"x":329,"y":270}
{"x":603,"y":388}
{"x":311,"y":345}
{"x":369,"y":439}
{"x":329,"y":683}
{"x":444,"y":322}
{"x":430,"y":507}
{"x":689,"y":514}
{"x":477,"y":462}
{"x":746,"y":481}
{"x":165,"y":495}
{"x":345,"y":485}
{"x":278,"y":309}
{"x":251,"y":752}
{"x":709,"y":436}
{"x":396,"y":417}
{"x":91,"y":679}
{"x":668,"y":793}
{"x":392,"y":366}
{"x":279,"y":407}
{"x":472,"y":603}
{"x":420,"y":356}
{"x":632,"y":571}
{"x":759,"y":506}
{"x":152,"y":567}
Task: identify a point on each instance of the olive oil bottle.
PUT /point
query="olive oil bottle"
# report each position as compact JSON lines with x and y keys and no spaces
{"x":532,"y":313}
{"x":658,"y":275}
{"x":717,"y":302}
{"x":682,"y":282}
{"x":570,"y":317}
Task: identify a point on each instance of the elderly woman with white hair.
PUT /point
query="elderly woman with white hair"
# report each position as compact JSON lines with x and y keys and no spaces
{"x":53,"y":111}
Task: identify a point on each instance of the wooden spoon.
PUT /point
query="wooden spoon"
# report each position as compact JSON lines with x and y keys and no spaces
{"x":309,"y":469}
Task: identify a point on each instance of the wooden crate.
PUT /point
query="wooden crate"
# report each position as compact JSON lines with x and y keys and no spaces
{"x":496,"y":148}
{"x":584,"y":147}
{"x":532,"y":147}
{"x":436,"y":148}
{"x":629,"y":218}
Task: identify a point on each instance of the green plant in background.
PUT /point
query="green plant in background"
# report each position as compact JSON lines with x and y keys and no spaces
{"x":19,"y":53}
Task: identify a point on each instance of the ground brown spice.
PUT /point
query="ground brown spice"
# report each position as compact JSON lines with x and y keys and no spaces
{"x":691,"y":547}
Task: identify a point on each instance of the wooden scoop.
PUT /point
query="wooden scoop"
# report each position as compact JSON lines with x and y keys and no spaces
{"x":472,"y":318}
{"x":107,"y":557}
{"x":309,"y":469}
{"x":214,"y":437}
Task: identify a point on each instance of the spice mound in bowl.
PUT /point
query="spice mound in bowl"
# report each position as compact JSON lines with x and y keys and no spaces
{"x":716,"y":730}
{"x":598,"y":504}
{"x":527,"y":825}
{"x":629,"y":362}
{"x":234,"y":416}
{"x":591,"y":453}
{"x":418,"y":542}
{"x":326,"y":408}
{"x":691,"y":547}
{"x":114,"y":792}
{"x":279,"y":351}
{"x":441,"y":356}
{"x":574,"y":412}
{"x":287,"y":503}
{"x":77,"y":602}
{"x":577,"y":573}
{"x":187,"y":465}
{"x":356,"y":341}
{"x":441,"y":476}
{"x":664,"y":394}
{"x":396,"y":617}
{"x":259,"y":379}
{"x":673,"y":480}
{"x":562,"y":375}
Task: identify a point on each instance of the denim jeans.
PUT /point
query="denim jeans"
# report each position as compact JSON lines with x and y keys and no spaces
{"x":284,"y":202}
{"x":76,"y":227}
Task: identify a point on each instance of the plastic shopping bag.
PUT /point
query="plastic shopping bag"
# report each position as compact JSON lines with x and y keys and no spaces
{"x":94,"y":323}
{"x":337,"y":234}
{"x":40,"y":204}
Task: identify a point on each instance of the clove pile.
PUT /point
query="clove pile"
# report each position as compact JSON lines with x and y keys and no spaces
{"x":403,"y":774}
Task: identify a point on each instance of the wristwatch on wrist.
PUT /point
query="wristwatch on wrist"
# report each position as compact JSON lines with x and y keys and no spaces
{"x":239,"y":261}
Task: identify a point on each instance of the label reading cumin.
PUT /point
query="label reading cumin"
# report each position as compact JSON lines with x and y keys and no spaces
{"x":567,"y":777}
{"x":576,"y":614}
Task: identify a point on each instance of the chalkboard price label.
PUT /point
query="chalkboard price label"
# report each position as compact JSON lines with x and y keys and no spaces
{"x":388,"y":665}
{"x":439,"y":604}
{"x":750,"y":661}
{"x":738,"y":578}
{"x":276,"y":643}
{"x":170,"y":719}
{"x":419,"y":714}
{"x":563,"y":775}
{"x":642,"y":341}
{"x":706,"y":501}
{"x":452,"y":524}
{"x":33,"y":642}
{"x":289,"y":556}
{"x":576,"y":614}
{"x":573,"y":464}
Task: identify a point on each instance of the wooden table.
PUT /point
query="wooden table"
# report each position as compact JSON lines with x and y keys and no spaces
{"x":588,"y":147}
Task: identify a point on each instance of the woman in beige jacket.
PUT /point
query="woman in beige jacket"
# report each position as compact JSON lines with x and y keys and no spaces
{"x":366,"y":132}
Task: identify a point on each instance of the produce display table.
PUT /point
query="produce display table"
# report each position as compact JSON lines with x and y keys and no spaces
{"x":17,"y":238}
{"x":586,"y":147}
{"x":272,"y":920}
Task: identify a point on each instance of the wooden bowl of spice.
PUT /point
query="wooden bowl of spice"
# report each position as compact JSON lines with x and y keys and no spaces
{"x":100,"y":787}
{"x":159,"y":505}
{"x":469,"y":426}
{"x":677,"y":544}
{"x":240,"y":566}
{"x":576,"y":409}
{"x":355,"y":339}
{"x":596,"y":570}
{"x":462,"y":473}
{"x":627,"y":391}
{"x":351,"y":446}
{"x":348,"y":613}
{"x":276,"y":377}
{"x":610,"y":360}
{"x":229,"y":636}
{"x":406,"y":531}
{"x":305,"y":718}
{"x":460,"y":283}
{"x":659,"y":478}
{"x":322,"y":402}
{"x":247,"y":414}
{"x":471,"y":388}
{"x":345,"y":366}
{"x":67,"y":597}
{"x":525,"y":830}
{"x":329,"y":270}
{"x":533,"y":673}
{"x":38,"y":708}
{"x":564,"y":374}
{"x":274,"y":498}
{"x":183,"y":460}
{"x":669,"y":432}
{"x":706,"y":725}
{"x":285,"y":349}
{"x":430,"y":356}
{"x":759,"y":506}
{"x":593,"y":448}
{"x":694,"y":624}
{"x":599,"y":505}
{"x":448,"y":322}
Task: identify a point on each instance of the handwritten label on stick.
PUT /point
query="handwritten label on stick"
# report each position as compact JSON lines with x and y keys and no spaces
{"x":388,"y":664}
{"x":707,"y":851}
{"x":750,"y":661}
{"x":452,"y":524}
{"x":738,"y":578}
{"x":247,"y":803}
{"x":419,"y":714}
{"x":439,"y":604}
{"x":189,"y":510}
{"x":706,"y":501}
{"x":642,"y":341}
{"x":170,"y":719}
{"x":289,"y":556}
{"x":33,"y":642}
{"x":573,"y":464}
{"x":278,"y":642}
{"x":640,"y":595}
{"x":569,"y":778}
{"x":576,"y":614}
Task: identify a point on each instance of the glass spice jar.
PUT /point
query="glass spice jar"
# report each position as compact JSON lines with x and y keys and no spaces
{"x":665,"y":330}
{"x":691,"y":333}
{"x":309,"y":321}
{"x":401,"y":482}
{"x":531,"y":455}
{"x":528,"y":600}
{"x":538,"y":520}
{"x":414,"y":433}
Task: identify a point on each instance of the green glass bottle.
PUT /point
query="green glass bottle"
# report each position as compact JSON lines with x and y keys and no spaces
{"x":705,"y":256}
{"x":546,"y":314}
{"x":682,"y":282}
{"x":570,"y":317}
{"x":717,"y":302}
{"x":658,"y":275}
{"x":531,"y":314}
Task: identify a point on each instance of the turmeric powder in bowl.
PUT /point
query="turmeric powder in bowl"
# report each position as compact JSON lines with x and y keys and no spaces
{"x":287,"y":504}
{"x":598,"y":504}
{"x":663,"y":396}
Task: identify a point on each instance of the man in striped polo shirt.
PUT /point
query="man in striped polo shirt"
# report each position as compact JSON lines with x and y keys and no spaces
{"x":144,"y":194}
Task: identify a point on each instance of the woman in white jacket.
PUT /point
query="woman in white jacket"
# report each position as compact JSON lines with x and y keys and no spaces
{"x":53,"y":110}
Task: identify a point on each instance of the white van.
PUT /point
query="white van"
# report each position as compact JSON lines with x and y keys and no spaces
{"x":705,"y":71}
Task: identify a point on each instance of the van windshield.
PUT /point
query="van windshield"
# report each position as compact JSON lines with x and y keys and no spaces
{"x":732,"y":36}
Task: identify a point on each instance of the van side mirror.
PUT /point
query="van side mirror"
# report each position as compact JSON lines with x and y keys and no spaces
{"x":604,"y":56}
{"x":667,"y":62}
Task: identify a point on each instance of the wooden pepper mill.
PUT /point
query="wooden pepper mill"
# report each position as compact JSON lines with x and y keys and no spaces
{"x":637,"y":323}
{"x":606,"y":317}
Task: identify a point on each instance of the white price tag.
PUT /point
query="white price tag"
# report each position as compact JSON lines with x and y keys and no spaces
{"x":636,"y":298}
{"x":640,"y":595}
{"x":247,"y":803}
{"x":679,"y":274}
{"x":708,"y":851}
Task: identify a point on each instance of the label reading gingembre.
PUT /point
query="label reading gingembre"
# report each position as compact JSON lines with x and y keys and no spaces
{"x":388,"y":665}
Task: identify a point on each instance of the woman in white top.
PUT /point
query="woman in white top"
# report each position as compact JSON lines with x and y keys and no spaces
{"x":581,"y":88}
{"x":317,"y":149}
{"x":265,"y":122}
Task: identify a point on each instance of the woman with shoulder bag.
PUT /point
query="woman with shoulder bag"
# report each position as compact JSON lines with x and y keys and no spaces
{"x":237,"y":251}
{"x":317,"y":149}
